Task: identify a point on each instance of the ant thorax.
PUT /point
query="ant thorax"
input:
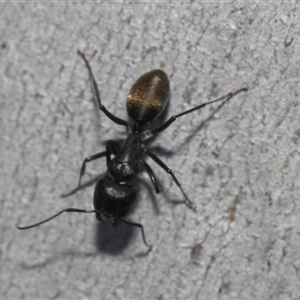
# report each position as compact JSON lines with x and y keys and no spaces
{"x":146,"y":135}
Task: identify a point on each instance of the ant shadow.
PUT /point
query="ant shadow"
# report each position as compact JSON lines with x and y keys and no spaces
{"x":113,"y":240}
{"x":163,"y":152}
{"x":202,"y":125}
{"x":51,"y":260}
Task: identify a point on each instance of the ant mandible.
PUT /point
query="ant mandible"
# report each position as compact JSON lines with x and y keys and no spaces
{"x":114,"y":198}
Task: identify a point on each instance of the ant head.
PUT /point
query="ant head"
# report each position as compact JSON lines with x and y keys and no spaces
{"x":112,"y":200}
{"x":105,"y":218}
{"x":148,"y":97}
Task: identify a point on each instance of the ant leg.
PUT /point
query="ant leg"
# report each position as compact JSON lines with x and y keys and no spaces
{"x":173,"y":118}
{"x":137,"y":225}
{"x":89,"y":159}
{"x":86,"y":184}
{"x":56,"y":215}
{"x":97,"y":93}
{"x":82,"y":170}
{"x":188,"y":202}
{"x":111,"y":148}
{"x":151,"y":175}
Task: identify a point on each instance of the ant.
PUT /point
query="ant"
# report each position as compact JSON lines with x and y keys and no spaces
{"x":114,"y":198}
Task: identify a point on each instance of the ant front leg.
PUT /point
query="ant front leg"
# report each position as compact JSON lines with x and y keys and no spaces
{"x":111,"y":148}
{"x":188,"y":202}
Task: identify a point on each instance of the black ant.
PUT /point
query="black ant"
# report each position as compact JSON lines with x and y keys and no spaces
{"x":114,"y":198}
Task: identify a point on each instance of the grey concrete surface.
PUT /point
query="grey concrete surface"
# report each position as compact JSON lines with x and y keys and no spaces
{"x":240,"y":166}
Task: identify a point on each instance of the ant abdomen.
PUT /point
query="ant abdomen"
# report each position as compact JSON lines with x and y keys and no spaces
{"x":148,"y":97}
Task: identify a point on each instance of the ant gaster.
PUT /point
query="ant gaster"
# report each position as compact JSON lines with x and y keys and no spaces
{"x":114,"y":198}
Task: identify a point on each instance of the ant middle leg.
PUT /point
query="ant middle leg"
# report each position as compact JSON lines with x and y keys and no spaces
{"x":82,"y":170}
{"x":111,"y":148}
{"x":187,"y":201}
{"x":151,"y":175}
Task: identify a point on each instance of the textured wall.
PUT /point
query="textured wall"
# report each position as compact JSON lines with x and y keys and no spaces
{"x":240,"y":167}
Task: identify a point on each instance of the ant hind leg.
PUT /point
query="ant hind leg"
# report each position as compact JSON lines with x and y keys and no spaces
{"x":97,"y":93}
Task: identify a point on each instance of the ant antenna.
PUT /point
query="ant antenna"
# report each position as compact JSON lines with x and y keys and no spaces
{"x":85,"y":211}
{"x":56,"y":215}
{"x":136,"y":225}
